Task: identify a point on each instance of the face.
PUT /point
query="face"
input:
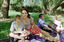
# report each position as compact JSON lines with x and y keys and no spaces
{"x":24,"y":13}
{"x":18,"y":22}
{"x":42,"y":16}
{"x":58,"y":18}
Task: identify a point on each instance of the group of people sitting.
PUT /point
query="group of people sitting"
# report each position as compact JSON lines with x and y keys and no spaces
{"x":23,"y":26}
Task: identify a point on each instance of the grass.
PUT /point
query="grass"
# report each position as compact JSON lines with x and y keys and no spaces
{"x":4,"y":29}
{"x":5,"y":26}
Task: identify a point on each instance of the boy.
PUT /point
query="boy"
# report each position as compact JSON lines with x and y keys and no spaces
{"x":17,"y":25}
{"x":16,"y":28}
{"x":41,"y":23}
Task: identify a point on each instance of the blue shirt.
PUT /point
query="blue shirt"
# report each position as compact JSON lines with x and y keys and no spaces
{"x":41,"y":22}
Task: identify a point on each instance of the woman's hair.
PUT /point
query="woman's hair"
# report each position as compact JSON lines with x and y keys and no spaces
{"x":26,"y":11}
{"x":17,"y":17}
{"x":40,"y":15}
{"x":58,"y":16}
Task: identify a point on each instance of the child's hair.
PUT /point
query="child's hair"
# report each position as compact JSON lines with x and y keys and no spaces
{"x":40,"y":15}
{"x":58,"y":16}
{"x":17,"y":17}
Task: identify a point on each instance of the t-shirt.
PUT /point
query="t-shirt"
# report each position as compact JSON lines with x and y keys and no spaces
{"x":41,"y":22}
{"x":16,"y":27}
{"x":58,"y":23}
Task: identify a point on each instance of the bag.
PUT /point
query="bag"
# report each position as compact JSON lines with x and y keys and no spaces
{"x":35,"y":30}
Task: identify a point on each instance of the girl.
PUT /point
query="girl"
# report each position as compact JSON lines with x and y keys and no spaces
{"x":58,"y":23}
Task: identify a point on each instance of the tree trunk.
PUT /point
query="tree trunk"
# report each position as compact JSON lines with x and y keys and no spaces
{"x":5,"y":8}
{"x":51,"y":9}
{"x":44,"y":9}
{"x":21,"y":4}
{"x":59,"y":3}
{"x":50,"y":6}
{"x":59,"y":12}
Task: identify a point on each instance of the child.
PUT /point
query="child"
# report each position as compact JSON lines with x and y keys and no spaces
{"x":16,"y":28}
{"x":58,"y":23}
{"x":17,"y":25}
{"x":41,"y":21}
{"x":41,"y":24}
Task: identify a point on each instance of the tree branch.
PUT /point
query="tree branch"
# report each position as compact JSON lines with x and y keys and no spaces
{"x":45,"y":5}
{"x":59,"y":3}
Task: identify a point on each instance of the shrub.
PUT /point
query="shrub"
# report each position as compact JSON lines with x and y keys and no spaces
{"x":33,"y":8}
{"x":16,"y":7}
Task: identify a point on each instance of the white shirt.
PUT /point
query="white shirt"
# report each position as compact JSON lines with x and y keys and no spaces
{"x":58,"y":23}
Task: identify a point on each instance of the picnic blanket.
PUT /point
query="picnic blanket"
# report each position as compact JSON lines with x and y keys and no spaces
{"x":34,"y":38}
{"x":62,"y":37}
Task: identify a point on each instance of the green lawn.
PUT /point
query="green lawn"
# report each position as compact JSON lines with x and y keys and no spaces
{"x":5,"y":26}
{"x":4,"y":29}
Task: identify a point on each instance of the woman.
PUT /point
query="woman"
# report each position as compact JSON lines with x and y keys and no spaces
{"x":26,"y":18}
{"x":28,"y":22}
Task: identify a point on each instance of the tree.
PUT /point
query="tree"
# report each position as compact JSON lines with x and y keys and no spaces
{"x":0,"y":3}
{"x":51,"y":5}
{"x":5,"y":8}
{"x":16,"y":4}
{"x":59,"y":4}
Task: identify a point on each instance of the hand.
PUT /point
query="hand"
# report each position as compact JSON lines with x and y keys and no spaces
{"x":46,"y":26}
{"x":32,"y":27}
{"x":24,"y":29}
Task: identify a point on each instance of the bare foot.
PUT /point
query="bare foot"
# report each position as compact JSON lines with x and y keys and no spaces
{"x":57,"y":37}
{"x":41,"y":35}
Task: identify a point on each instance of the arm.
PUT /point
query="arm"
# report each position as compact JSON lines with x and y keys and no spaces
{"x":12,"y":27}
{"x":15,"y":36}
{"x":32,"y":21}
{"x":61,"y":24}
{"x":17,"y":31}
{"x":32,"y":25}
{"x":43,"y":23}
{"x":46,"y":26}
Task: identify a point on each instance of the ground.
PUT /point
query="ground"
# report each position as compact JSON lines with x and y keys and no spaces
{"x":5,"y":26}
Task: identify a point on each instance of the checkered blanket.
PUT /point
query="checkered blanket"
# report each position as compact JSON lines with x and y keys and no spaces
{"x":39,"y":39}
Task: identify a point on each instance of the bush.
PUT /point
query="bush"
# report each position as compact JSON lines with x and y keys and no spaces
{"x":33,"y":8}
{"x":16,"y":7}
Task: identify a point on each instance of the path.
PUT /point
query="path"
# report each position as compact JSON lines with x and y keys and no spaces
{"x":6,"y":20}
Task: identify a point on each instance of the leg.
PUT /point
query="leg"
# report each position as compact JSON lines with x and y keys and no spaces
{"x":48,"y":36}
{"x":11,"y":39}
{"x":47,"y":30}
{"x":15,"y":36}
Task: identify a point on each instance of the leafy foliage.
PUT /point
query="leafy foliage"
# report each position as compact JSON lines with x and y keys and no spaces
{"x":0,"y":3}
{"x":62,"y":5}
{"x":33,"y":8}
{"x":16,"y":7}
